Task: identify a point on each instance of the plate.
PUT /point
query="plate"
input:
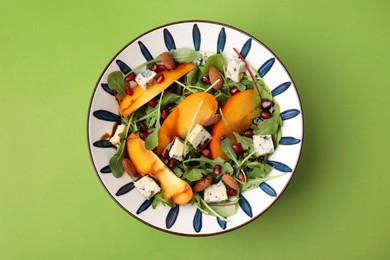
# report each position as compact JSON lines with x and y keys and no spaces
{"x":209,"y":37}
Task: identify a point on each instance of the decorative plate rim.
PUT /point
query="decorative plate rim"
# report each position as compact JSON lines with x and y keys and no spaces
{"x":139,"y":218}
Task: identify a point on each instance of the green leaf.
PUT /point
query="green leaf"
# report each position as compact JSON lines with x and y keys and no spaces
{"x":215,"y":60}
{"x":259,"y":170}
{"x":254,"y":183}
{"x":268,"y":126}
{"x":194,"y":174}
{"x":159,"y":199}
{"x":170,"y":98}
{"x":191,"y":78}
{"x":116,"y":82}
{"x":185,"y":55}
{"x":246,"y":142}
{"x":152,"y":140}
{"x":116,"y":160}
{"x":226,"y":147}
{"x":225,"y":208}
{"x":206,"y":163}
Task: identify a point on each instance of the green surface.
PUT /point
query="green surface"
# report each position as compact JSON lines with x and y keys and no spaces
{"x":52,"y":205}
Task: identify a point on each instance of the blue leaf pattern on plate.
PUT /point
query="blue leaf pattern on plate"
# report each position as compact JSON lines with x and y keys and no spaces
{"x":279,"y":166}
{"x":221,"y":223}
{"x":145,"y":51}
{"x":105,"y":169}
{"x":289,"y":140}
{"x":246,"y":48}
{"x":106,"y":115}
{"x":125,"y":189}
{"x":221,"y":40}
{"x":103,"y":144}
{"x":107,"y":89}
{"x":288,"y":114}
{"x":123,"y":67}
{"x":144,"y":206}
{"x":245,"y":206}
{"x":196,"y":38}
{"x":197,"y":223}
{"x":263,"y":70}
{"x":169,"y":41}
{"x":172,"y":216}
{"x":268,"y":189}
{"x":281,"y":88}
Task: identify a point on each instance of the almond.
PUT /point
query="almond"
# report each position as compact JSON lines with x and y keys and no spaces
{"x":130,"y":169}
{"x":167,"y":60}
{"x":202,"y":184}
{"x":214,"y":76}
{"x":212,"y":120}
{"x":230,"y":181}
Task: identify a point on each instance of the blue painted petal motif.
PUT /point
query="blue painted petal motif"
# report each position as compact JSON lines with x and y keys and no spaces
{"x":197,"y":223}
{"x":245,"y":206}
{"x":169,"y":41}
{"x":221,"y":223}
{"x":172,"y":216}
{"x":281,"y":88}
{"x":263,"y":70}
{"x":221,"y":40}
{"x":246,"y":48}
{"x":103,"y":144}
{"x":288,"y":114}
{"x":196,"y":38}
{"x":123,"y":67}
{"x":144,"y":206}
{"x":107,"y":89}
{"x":288,"y":140}
{"x":105,"y":169}
{"x":268,"y":189}
{"x":279,"y":166}
{"x":125,"y":189}
{"x":106,"y":116}
{"x":145,"y":51}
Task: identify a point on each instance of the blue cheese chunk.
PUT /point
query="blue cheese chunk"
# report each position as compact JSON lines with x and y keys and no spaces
{"x":199,"y":136}
{"x":116,"y":139}
{"x":263,"y":144}
{"x":215,"y":193}
{"x":202,"y":60}
{"x":147,"y":187}
{"x":235,"y":69}
{"x":145,"y":79}
{"x":176,"y":150}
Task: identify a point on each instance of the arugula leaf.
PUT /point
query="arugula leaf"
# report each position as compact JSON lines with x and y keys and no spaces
{"x":116,"y":82}
{"x":254,"y":183}
{"x":152,"y":140}
{"x":225,"y":208}
{"x":116,"y":160}
{"x":194,"y":174}
{"x":226,"y":147}
{"x":215,"y":60}
{"x":246,"y":142}
{"x":206,"y":163}
{"x":259,"y":170}
{"x":158,"y":198}
{"x":185,"y":55}
{"x":192,"y":77}
{"x":205,"y":208}
{"x":268,"y":126}
{"x":170,"y":98}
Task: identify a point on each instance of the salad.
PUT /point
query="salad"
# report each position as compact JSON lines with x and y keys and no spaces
{"x":195,"y":128}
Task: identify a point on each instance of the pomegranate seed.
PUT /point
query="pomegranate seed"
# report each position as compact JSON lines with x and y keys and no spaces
{"x":248,"y":133}
{"x":164,"y":114}
{"x":206,"y":80}
{"x":171,"y":163}
{"x":165,"y":154}
{"x":265,"y":115}
{"x":206,"y":153}
{"x":130,"y":77}
{"x":143,"y":127}
{"x":231,"y":192}
{"x":241,"y":177}
{"x":143,"y":135}
{"x":238,"y":149}
{"x":154,"y":67}
{"x":161,"y":67}
{"x":160,"y":78}
{"x":129,"y":91}
{"x":217,"y":169}
{"x":172,"y":89}
{"x":266,"y":104}
{"x":149,"y":132}
{"x":152,"y":103}
{"x":234,"y":90}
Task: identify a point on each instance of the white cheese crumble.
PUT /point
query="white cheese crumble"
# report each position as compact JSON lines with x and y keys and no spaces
{"x":263,"y":144}
{"x":145,"y":79}
{"x":115,"y":139}
{"x":215,"y":193}
{"x":147,"y":187}
{"x":199,"y":136}
{"x":235,"y":69}
{"x":176,"y":150}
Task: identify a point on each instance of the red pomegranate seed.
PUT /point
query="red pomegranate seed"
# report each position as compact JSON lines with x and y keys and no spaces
{"x":206,"y":80}
{"x":238,"y":149}
{"x":130,"y":77}
{"x":143,"y":127}
{"x":161,"y":67}
{"x":160,"y":78}
{"x":248,"y":133}
{"x":164,"y":114}
{"x":231,"y":192}
{"x":266,"y":104}
{"x":172,"y":89}
{"x":149,"y":132}
{"x":171,"y":163}
{"x":165,"y":154}
{"x":206,"y":153}
{"x":241,"y":177}
{"x":234,"y":90}
{"x":143,"y":135}
{"x":154,"y":67}
{"x":217,"y":169}
{"x":129,"y":91}
{"x":265,"y":115}
{"x":152,"y":103}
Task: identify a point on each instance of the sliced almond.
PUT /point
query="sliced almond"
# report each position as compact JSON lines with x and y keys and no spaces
{"x":230,"y":181}
{"x":215,"y":78}
{"x":212,"y":120}
{"x":167,"y":60}
{"x":202,"y":184}
{"x":130,"y":169}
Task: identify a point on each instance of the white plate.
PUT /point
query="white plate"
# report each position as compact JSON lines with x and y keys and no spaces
{"x":210,"y":37}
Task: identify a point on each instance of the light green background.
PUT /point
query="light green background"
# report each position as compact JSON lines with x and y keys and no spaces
{"x":52,"y":205}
